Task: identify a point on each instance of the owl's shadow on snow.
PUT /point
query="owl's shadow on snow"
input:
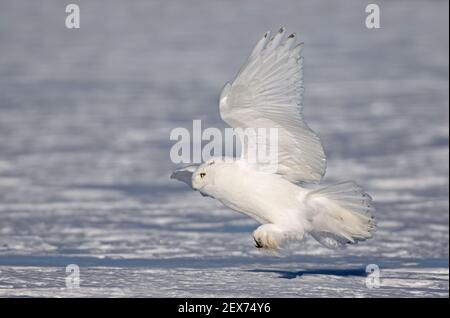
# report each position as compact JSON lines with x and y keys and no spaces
{"x":358,"y":272}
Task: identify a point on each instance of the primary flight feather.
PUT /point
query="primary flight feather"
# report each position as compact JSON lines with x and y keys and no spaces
{"x":267,"y":92}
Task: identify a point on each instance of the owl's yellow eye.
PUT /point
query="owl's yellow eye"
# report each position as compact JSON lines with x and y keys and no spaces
{"x":202,"y":174}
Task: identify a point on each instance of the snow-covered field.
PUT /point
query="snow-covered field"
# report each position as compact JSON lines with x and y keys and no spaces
{"x":85,"y":117}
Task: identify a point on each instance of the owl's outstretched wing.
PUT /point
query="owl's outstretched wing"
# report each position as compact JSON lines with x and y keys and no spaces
{"x":267,"y":93}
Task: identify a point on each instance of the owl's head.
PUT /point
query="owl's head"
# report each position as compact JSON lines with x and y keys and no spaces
{"x":204,"y":175}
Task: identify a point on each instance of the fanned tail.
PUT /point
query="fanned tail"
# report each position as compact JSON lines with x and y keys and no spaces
{"x":341,"y":214}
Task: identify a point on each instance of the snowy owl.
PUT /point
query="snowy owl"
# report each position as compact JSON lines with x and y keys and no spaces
{"x":288,"y":202}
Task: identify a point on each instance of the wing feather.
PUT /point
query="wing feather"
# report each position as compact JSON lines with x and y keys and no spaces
{"x":268,"y":92}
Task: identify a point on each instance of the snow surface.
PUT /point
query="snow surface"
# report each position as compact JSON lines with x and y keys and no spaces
{"x":85,"y":117}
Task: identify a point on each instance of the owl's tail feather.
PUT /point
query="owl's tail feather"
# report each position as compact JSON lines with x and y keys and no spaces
{"x":341,"y":214}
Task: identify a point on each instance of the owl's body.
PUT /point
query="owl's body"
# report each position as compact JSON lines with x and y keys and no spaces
{"x":334,"y":215}
{"x":266,"y":197}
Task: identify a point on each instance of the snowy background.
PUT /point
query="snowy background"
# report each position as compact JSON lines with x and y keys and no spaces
{"x":85,"y":118}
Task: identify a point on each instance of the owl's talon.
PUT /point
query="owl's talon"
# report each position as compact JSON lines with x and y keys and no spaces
{"x":257,"y":244}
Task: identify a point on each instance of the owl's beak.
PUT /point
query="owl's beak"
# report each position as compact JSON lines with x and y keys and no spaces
{"x":184,"y":174}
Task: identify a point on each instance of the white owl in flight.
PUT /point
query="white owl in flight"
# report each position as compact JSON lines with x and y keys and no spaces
{"x":288,"y":202}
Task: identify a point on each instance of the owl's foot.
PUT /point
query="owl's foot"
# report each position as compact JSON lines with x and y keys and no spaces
{"x":257,"y":243}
